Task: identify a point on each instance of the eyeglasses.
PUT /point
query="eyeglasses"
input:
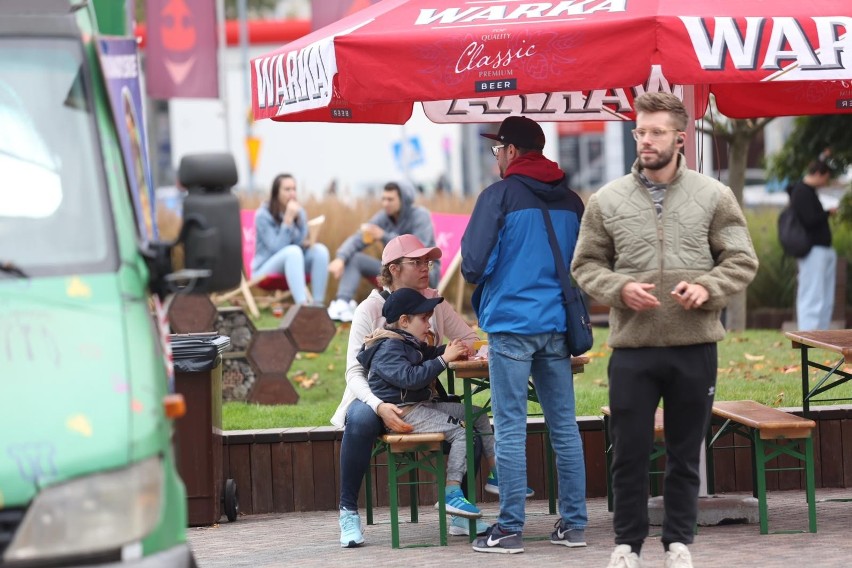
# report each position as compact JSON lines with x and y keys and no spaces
{"x":418,"y":263}
{"x":653,"y":133}
{"x":495,"y":148}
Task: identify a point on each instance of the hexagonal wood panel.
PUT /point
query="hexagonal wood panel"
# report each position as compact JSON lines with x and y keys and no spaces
{"x":192,"y":313}
{"x":309,"y":327}
{"x":272,"y":388}
{"x":271,"y":351}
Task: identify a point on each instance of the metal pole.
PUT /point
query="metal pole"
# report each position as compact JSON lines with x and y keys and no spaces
{"x":244,"y":62}
{"x":223,"y":69}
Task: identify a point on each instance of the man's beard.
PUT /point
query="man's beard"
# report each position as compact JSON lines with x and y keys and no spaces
{"x":659,"y":161}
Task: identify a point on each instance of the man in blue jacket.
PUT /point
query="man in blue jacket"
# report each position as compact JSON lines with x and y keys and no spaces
{"x":518,"y":299}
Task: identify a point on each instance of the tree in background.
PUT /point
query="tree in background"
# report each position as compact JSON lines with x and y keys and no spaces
{"x":811,"y":136}
{"x":738,"y":133}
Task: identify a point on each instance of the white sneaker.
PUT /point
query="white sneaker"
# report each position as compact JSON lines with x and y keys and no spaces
{"x":678,"y":556}
{"x":341,"y":310}
{"x":622,"y":557}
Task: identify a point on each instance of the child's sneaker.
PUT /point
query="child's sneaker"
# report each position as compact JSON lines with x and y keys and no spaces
{"x":497,"y":540}
{"x":492,"y":485}
{"x":457,"y":504}
{"x":571,"y":538}
{"x":460,"y":526}
{"x":350,"y":529}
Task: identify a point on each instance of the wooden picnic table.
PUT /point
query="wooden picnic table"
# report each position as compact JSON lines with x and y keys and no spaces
{"x":837,"y":341}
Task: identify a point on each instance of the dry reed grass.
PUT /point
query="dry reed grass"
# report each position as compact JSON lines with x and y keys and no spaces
{"x":342,"y":219}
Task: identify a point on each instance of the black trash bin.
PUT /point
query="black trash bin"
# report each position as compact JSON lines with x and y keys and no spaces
{"x":198,"y":435}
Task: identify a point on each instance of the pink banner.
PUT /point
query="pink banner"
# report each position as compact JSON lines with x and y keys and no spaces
{"x":449,"y":228}
{"x":249,"y":239}
{"x":181,"y":49}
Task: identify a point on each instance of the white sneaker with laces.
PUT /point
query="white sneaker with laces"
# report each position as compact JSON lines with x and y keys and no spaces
{"x":678,"y":556}
{"x":623,"y":557}
{"x":341,"y":310}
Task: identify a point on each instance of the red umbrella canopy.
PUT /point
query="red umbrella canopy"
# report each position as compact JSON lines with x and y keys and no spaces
{"x":760,"y":58}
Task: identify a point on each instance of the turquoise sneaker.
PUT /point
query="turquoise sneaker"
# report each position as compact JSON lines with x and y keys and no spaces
{"x":350,"y":529}
{"x":459,"y":526}
{"x":492,"y":485}
{"x":457,"y":504}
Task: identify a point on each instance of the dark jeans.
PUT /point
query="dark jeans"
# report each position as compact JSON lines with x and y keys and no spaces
{"x":362,"y":428}
{"x":685,"y":378}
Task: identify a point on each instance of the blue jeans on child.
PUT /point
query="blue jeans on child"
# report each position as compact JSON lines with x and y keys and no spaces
{"x":512,"y":359}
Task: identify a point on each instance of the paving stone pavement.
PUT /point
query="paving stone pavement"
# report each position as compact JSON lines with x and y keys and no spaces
{"x":311,"y":539}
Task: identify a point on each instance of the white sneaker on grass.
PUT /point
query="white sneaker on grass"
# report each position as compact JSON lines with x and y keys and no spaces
{"x":342,"y":310}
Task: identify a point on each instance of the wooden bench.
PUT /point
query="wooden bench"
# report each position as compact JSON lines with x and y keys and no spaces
{"x":772,"y":433}
{"x":408,"y":454}
{"x":658,"y":451}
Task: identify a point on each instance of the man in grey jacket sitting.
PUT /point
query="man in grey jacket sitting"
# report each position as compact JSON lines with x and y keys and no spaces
{"x":398,"y":216}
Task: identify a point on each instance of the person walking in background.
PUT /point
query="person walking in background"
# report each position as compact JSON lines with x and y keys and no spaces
{"x":399,"y":215}
{"x":518,"y":299}
{"x":281,"y":227}
{"x":664,"y":247}
{"x":364,"y":416}
{"x":815,"y":294}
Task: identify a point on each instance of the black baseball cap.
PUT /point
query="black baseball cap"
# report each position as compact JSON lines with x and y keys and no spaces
{"x":408,"y":301}
{"x":520,"y":131}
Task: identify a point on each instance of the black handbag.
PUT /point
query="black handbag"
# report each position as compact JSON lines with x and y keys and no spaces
{"x":579,"y":334}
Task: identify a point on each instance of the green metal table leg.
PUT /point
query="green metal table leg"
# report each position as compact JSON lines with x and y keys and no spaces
{"x":368,"y":489}
{"x":551,"y":478}
{"x":471,"y":464}
{"x":608,"y":454}
{"x":806,"y":401}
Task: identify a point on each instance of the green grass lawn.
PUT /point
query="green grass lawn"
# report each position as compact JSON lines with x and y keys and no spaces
{"x":756,"y":364}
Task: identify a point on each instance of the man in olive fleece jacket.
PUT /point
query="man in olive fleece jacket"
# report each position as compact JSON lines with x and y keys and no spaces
{"x":664,"y":247}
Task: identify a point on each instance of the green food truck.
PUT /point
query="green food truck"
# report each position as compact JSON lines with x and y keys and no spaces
{"x":87,"y":408}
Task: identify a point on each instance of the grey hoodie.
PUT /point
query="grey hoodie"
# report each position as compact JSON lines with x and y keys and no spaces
{"x":412,"y":219}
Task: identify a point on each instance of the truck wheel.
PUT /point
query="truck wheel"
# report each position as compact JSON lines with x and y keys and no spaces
{"x":231,"y":500}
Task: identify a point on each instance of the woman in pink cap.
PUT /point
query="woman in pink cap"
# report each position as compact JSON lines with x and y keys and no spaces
{"x":405,"y":264}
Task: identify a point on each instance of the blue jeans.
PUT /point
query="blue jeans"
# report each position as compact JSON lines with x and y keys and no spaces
{"x":512,"y":359}
{"x":362,"y":428}
{"x":815,"y":296}
{"x":292,"y":261}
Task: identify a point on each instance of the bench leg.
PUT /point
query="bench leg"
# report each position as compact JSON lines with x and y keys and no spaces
{"x":759,"y":470}
{"x":368,"y":491}
{"x":394,"y":500}
{"x":809,"y":484}
{"x":413,"y":482}
{"x":440,"y":474}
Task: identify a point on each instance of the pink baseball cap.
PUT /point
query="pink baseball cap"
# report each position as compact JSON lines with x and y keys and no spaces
{"x":410,"y":246}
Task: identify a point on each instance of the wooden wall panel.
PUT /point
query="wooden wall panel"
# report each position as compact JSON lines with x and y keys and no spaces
{"x":281,"y":457}
{"x":240,"y":470}
{"x":261,"y":478}
{"x":297,"y":469}
{"x":303,"y":477}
